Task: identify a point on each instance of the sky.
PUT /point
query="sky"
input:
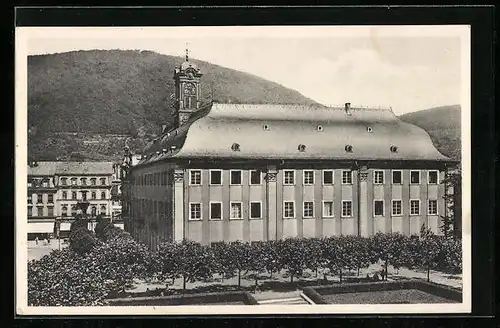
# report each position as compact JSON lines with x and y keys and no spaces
{"x":407,"y":69}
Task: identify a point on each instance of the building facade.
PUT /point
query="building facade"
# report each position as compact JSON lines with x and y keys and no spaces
{"x":56,"y":188}
{"x":265,"y":172}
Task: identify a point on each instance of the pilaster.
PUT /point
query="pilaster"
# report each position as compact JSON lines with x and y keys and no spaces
{"x":363,"y":201}
{"x":178,"y":205}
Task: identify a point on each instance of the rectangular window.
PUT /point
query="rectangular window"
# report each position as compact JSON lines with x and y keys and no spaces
{"x":236,"y":177}
{"x":30,"y":199}
{"x":397,"y":177}
{"x":346,"y":208}
{"x":195,"y":211}
{"x":378,"y":208}
{"x":397,"y":207}
{"x":215,"y":177}
{"x":328,"y":209}
{"x":50,"y":199}
{"x":308,"y":209}
{"x":432,"y":208}
{"x":288,"y":210}
{"x":63,"y":181}
{"x":30,"y":211}
{"x":414,"y":177}
{"x":236,"y":210}
{"x":103,"y":181}
{"x":45,"y":183}
{"x":40,"y":210}
{"x":73,"y":181}
{"x":288,"y":177}
{"x":215,"y":211}
{"x":195,"y":177}
{"x":255,"y":210}
{"x":84,"y":181}
{"x":415,"y":207}
{"x":73,"y":195}
{"x":432,"y":177}
{"x":84,"y":195}
{"x":328,"y":177}
{"x":308,"y":178}
{"x":255,"y":177}
{"x":50,"y":211}
{"x":93,"y":181}
{"x":64,"y":195}
{"x":378,"y":177}
{"x":347,"y":177}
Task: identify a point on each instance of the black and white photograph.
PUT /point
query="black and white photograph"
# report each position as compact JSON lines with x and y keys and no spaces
{"x":243,"y":170}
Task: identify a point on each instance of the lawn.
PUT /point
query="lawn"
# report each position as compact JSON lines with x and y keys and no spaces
{"x":403,"y":296}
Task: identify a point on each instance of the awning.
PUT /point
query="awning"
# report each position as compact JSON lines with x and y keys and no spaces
{"x":40,"y":227}
{"x":65,"y":226}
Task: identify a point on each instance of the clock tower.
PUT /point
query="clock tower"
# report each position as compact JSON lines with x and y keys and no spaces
{"x":187,"y":90}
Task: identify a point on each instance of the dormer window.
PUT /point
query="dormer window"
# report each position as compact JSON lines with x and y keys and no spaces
{"x":302,"y":148}
{"x":394,"y":149}
{"x":265,"y":127}
{"x":348,"y":148}
{"x":235,"y":147}
{"x":369,"y":129}
{"x":319,"y":128}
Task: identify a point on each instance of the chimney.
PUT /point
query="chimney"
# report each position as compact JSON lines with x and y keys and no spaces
{"x":348,"y":108}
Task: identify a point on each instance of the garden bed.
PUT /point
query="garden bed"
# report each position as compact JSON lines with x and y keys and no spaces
{"x":227,"y":298}
{"x":393,"y":292}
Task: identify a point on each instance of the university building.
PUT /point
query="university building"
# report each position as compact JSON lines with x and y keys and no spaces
{"x":56,"y":188}
{"x":254,"y":172}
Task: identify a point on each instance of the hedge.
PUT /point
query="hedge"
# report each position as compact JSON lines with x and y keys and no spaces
{"x":110,"y":259}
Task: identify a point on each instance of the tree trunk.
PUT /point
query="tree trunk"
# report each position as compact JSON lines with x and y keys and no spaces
{"x":340,"y":275}
{"x":256,"y":281}
{"x":184,"y":282}
{"x":386,"y":264}
{"x":358,"y":271}
{"x":428,"y":273}
{"x":271,"y":274}
{"x":239,"y":278}
{"x":316,"y":273}
{"x":291,"y":278}
{"x":173,"y":280}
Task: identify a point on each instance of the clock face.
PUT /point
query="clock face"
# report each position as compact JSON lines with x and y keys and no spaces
{"x":190,"y":89}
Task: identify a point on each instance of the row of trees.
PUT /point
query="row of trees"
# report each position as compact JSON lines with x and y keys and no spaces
{"x":333,"y":255}
{"x":107,"y":260}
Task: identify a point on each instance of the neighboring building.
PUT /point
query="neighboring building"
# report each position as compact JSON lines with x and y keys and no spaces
{"x":265,"y":172}
{"x":55,"y":189}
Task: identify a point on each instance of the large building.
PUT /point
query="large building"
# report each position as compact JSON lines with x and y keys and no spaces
{"x":56,"y":188}
{"x":264,"y":171}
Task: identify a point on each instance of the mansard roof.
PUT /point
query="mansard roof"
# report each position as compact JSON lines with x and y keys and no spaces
{"x":71,"y":168}
{"x":290,"y":132}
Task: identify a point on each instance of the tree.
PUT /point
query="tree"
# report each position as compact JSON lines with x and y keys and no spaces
{"x":256,"y":263}
{"x":197,"y":261}
{"x":429,"y":250}
{"x":293,"y":256}
{"x":270,"y":257}
{"x":224,"y":264}
{"x":313,"y":254}
{"x":241,"y":257}
{"x":389,"y":248}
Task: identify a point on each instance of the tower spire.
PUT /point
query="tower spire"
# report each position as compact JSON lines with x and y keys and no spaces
{"x":187,"y":52}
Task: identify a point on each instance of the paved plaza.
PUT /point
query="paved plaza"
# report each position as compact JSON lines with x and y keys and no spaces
{"x":38,"y":250}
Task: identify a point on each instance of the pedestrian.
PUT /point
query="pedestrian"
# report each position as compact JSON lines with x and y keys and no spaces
{"x":36,"y":240}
